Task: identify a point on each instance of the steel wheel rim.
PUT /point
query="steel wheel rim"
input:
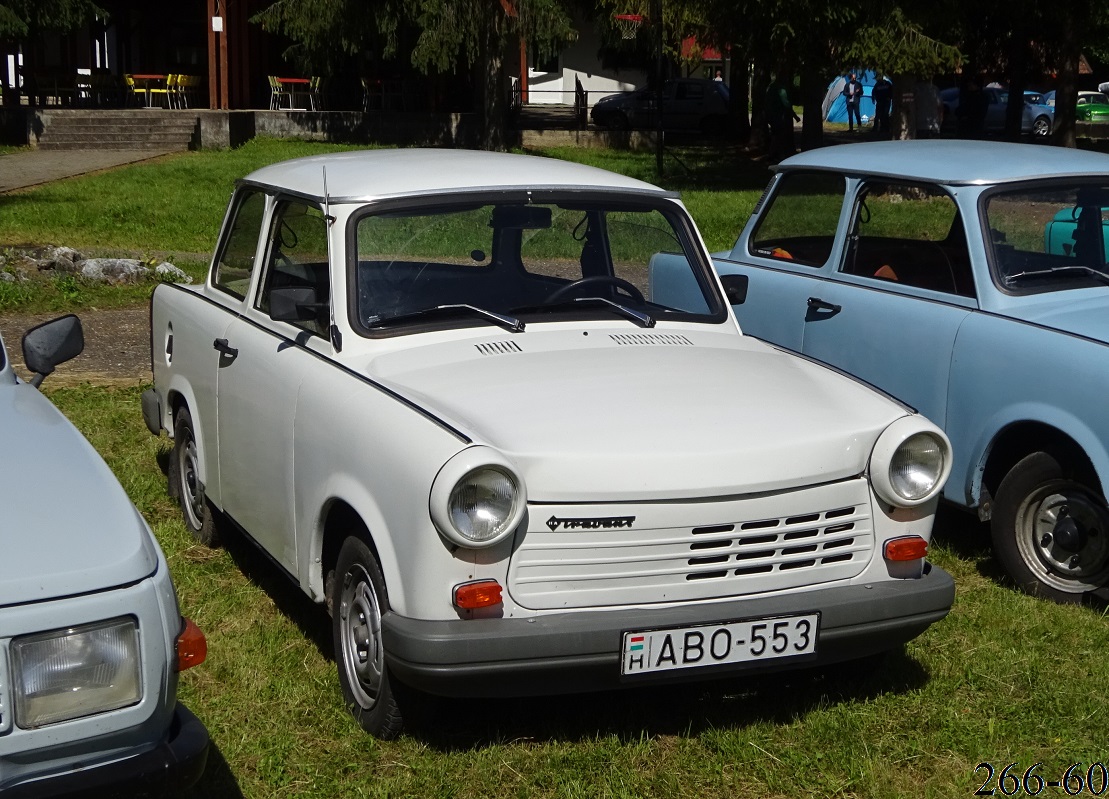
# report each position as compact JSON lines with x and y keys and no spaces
{"x":360,"y":637}
{"x":1052,"y":557}
{"x":190,"y":482}
{"x":1040,"y":127}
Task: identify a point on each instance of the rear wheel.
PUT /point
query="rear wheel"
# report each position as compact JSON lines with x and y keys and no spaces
{"x":1050,"y":531}
{"x":358,"y":600}
{"x":184,"y":482}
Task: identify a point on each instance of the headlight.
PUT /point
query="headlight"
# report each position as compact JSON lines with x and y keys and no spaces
{"x":910,"y":462}
{"x":477,"y":500}
{"x":67,"y":674}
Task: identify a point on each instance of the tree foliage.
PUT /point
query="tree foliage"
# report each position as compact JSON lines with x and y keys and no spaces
{"x":20,"y":18}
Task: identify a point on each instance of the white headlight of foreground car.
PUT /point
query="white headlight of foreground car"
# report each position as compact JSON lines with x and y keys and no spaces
{"x":477,"y":499}
{"x":910,"y":462}
{"x":81,"y":671}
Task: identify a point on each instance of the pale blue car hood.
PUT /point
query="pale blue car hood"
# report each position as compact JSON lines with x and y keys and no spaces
{"x":1087,"y":316}
{"x":66,"y":525}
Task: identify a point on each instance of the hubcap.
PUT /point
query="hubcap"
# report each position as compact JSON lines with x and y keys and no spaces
{"x":360,"y":633}
{"x":190,"y":483}
{"x":1063,"y":538}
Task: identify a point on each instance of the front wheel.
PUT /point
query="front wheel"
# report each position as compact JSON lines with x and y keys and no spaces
{"x":1041,"y":127}
{"x":184,"y":482}
{"x":1051,"y":532}
{"x":358,"y":601}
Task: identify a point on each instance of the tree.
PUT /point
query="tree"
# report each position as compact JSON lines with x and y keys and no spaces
{"x":445,"y":34}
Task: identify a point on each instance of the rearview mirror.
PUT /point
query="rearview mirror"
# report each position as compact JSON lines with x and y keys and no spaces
{"x":735,"y":288}
{"x":51,"y":343}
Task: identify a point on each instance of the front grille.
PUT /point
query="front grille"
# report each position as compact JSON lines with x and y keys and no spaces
{"x":734,"y":555}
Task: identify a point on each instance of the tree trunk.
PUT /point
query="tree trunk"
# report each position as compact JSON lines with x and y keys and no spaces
{"x":903,"y":112}
{"x":739,"y":89}
{"x":492,"y":82}
{"x":1066,"y":93}
{"x":813,"y":89}
{"x":760,"y":133}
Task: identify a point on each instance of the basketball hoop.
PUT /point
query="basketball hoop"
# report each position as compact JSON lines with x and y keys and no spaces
{"x":628,"y":24}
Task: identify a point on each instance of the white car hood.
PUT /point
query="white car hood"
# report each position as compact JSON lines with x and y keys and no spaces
{"x":624,"y":417}
{"x":68,"y":528}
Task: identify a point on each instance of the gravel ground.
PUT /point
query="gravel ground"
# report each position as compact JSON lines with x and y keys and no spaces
{"x":117,"y":346}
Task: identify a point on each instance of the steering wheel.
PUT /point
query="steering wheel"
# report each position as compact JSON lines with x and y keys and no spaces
{"x":597,"y":280}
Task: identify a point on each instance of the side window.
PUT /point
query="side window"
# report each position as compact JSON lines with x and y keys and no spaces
{"x":909,"y":234}
{"x":800,"y":222}
{"x":296,"y":257}
{"x":236,"y":260}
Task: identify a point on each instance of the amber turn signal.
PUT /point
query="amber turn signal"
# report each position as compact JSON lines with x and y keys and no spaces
{"x":478,"y":594}
{"x":192,"y":647}
{"x":910,"y":547}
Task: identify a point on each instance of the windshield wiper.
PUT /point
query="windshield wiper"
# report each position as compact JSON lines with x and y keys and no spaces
{"x":1071,"y":270}
{"x":510,"y":323}
{"x":641,"y":319}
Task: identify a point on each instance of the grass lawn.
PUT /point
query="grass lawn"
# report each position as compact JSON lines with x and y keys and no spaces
{"x":1005,"y":679}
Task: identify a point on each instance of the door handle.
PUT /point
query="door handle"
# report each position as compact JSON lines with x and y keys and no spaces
{"x":817,"y":304}
{"x":224,"y":348}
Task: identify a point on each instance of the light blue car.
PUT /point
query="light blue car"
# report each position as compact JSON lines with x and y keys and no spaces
{"x":969,"y":280}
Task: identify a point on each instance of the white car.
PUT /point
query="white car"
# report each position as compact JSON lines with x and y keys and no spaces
{"x":91,"y":638}
{"x":436,"y":388}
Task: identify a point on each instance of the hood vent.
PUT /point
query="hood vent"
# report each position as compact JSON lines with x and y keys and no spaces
{"x":650,"y":339}
{"x":498,"y":347}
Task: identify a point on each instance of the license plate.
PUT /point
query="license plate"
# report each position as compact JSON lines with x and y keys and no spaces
{"x":721,"y":644}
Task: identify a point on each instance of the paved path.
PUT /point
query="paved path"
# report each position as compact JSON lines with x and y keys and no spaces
{"x":33,"y":167}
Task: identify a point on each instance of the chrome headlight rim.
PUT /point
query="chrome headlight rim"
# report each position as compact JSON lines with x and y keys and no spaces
{"x":890,"y":444}
{"x":50,"y":674}
{"x":462,"y":469}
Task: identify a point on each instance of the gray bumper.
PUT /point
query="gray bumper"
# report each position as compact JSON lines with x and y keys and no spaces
{"x":580,"y":651}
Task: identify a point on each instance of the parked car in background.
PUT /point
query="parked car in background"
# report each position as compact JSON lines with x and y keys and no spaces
{"x":1091,"y":106}
{"x":1037,"y":117}
{"x":970,"y":280}
{"x":91,"y":638}
{"x":687,"y":104}
{"x":443,"y":391}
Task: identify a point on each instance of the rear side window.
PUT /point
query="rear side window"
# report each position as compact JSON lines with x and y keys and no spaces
{"x":235,"y":263}
{"x":800,"y":222}
{"x":911,"y":234}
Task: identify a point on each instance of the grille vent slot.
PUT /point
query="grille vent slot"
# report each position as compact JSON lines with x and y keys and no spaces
{"x":650,"y":339}
{"x":497,"y":347}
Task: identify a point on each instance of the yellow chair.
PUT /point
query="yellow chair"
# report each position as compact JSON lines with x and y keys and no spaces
{"x":164,"y":94}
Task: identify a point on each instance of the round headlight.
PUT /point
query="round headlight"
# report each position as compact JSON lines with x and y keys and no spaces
{"x":910,"y":462}
{"x":478,"y":499}
{"x":482,"y":503}
{"x":917,"y":466}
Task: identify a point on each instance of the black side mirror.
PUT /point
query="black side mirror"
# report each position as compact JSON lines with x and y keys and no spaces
{"x":295,"y":304}
{"x":735,"y":288}
{"x":51,"y":343}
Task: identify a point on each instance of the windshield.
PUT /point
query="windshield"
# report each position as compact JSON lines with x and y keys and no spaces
{"x":507,"y":261}
{"x":1049,"y":238}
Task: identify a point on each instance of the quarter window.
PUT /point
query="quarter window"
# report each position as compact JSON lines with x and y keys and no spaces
{"x":911,"y":235}
{"x":801,"y":221}
{"x":236,"y":259}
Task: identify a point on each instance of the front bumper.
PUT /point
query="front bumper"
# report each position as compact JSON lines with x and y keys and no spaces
{"x":580,"y":651}
{"x":173,"y":765}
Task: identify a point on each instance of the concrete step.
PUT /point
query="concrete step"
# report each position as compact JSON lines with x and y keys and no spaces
{"x":114,"y":145}
{"x":134,"y":129}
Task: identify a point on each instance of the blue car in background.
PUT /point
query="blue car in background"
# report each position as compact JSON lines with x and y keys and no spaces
{"x":968,"y":279}
{"x":1037,"y":116}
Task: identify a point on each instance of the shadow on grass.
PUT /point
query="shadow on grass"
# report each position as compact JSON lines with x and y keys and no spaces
{"x":217,"y":781}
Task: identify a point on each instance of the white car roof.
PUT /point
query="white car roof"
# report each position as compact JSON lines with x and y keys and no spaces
{"x":952,"y":162}
{"x":364,"y":175}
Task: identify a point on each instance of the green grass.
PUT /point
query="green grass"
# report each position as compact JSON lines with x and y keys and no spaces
{"x":1005,"y":678}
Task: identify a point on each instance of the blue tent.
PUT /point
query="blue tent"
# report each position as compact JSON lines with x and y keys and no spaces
{"x":835,"y":106}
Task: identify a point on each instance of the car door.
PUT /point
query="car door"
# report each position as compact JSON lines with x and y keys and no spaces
{"x":786,"y":253}
{"x":261,"y":368}
{"x":899,"y":295}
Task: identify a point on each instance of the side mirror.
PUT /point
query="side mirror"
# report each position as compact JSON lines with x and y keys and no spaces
{"x":735,"y":288}
{"x":51,"y":343}
{"x":295,"y":304}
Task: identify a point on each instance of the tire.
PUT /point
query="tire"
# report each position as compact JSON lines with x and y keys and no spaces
{"x":619,"y":121}
{"x":358,"y":602}
{"x":1041,"y":127}
{"x":184,"y":482}
{"x":1050,"y":532}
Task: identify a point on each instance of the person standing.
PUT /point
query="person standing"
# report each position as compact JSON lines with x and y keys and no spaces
{"x":853,"y":96}
{"x":882,"y":94}
{"x":780,"y":116}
